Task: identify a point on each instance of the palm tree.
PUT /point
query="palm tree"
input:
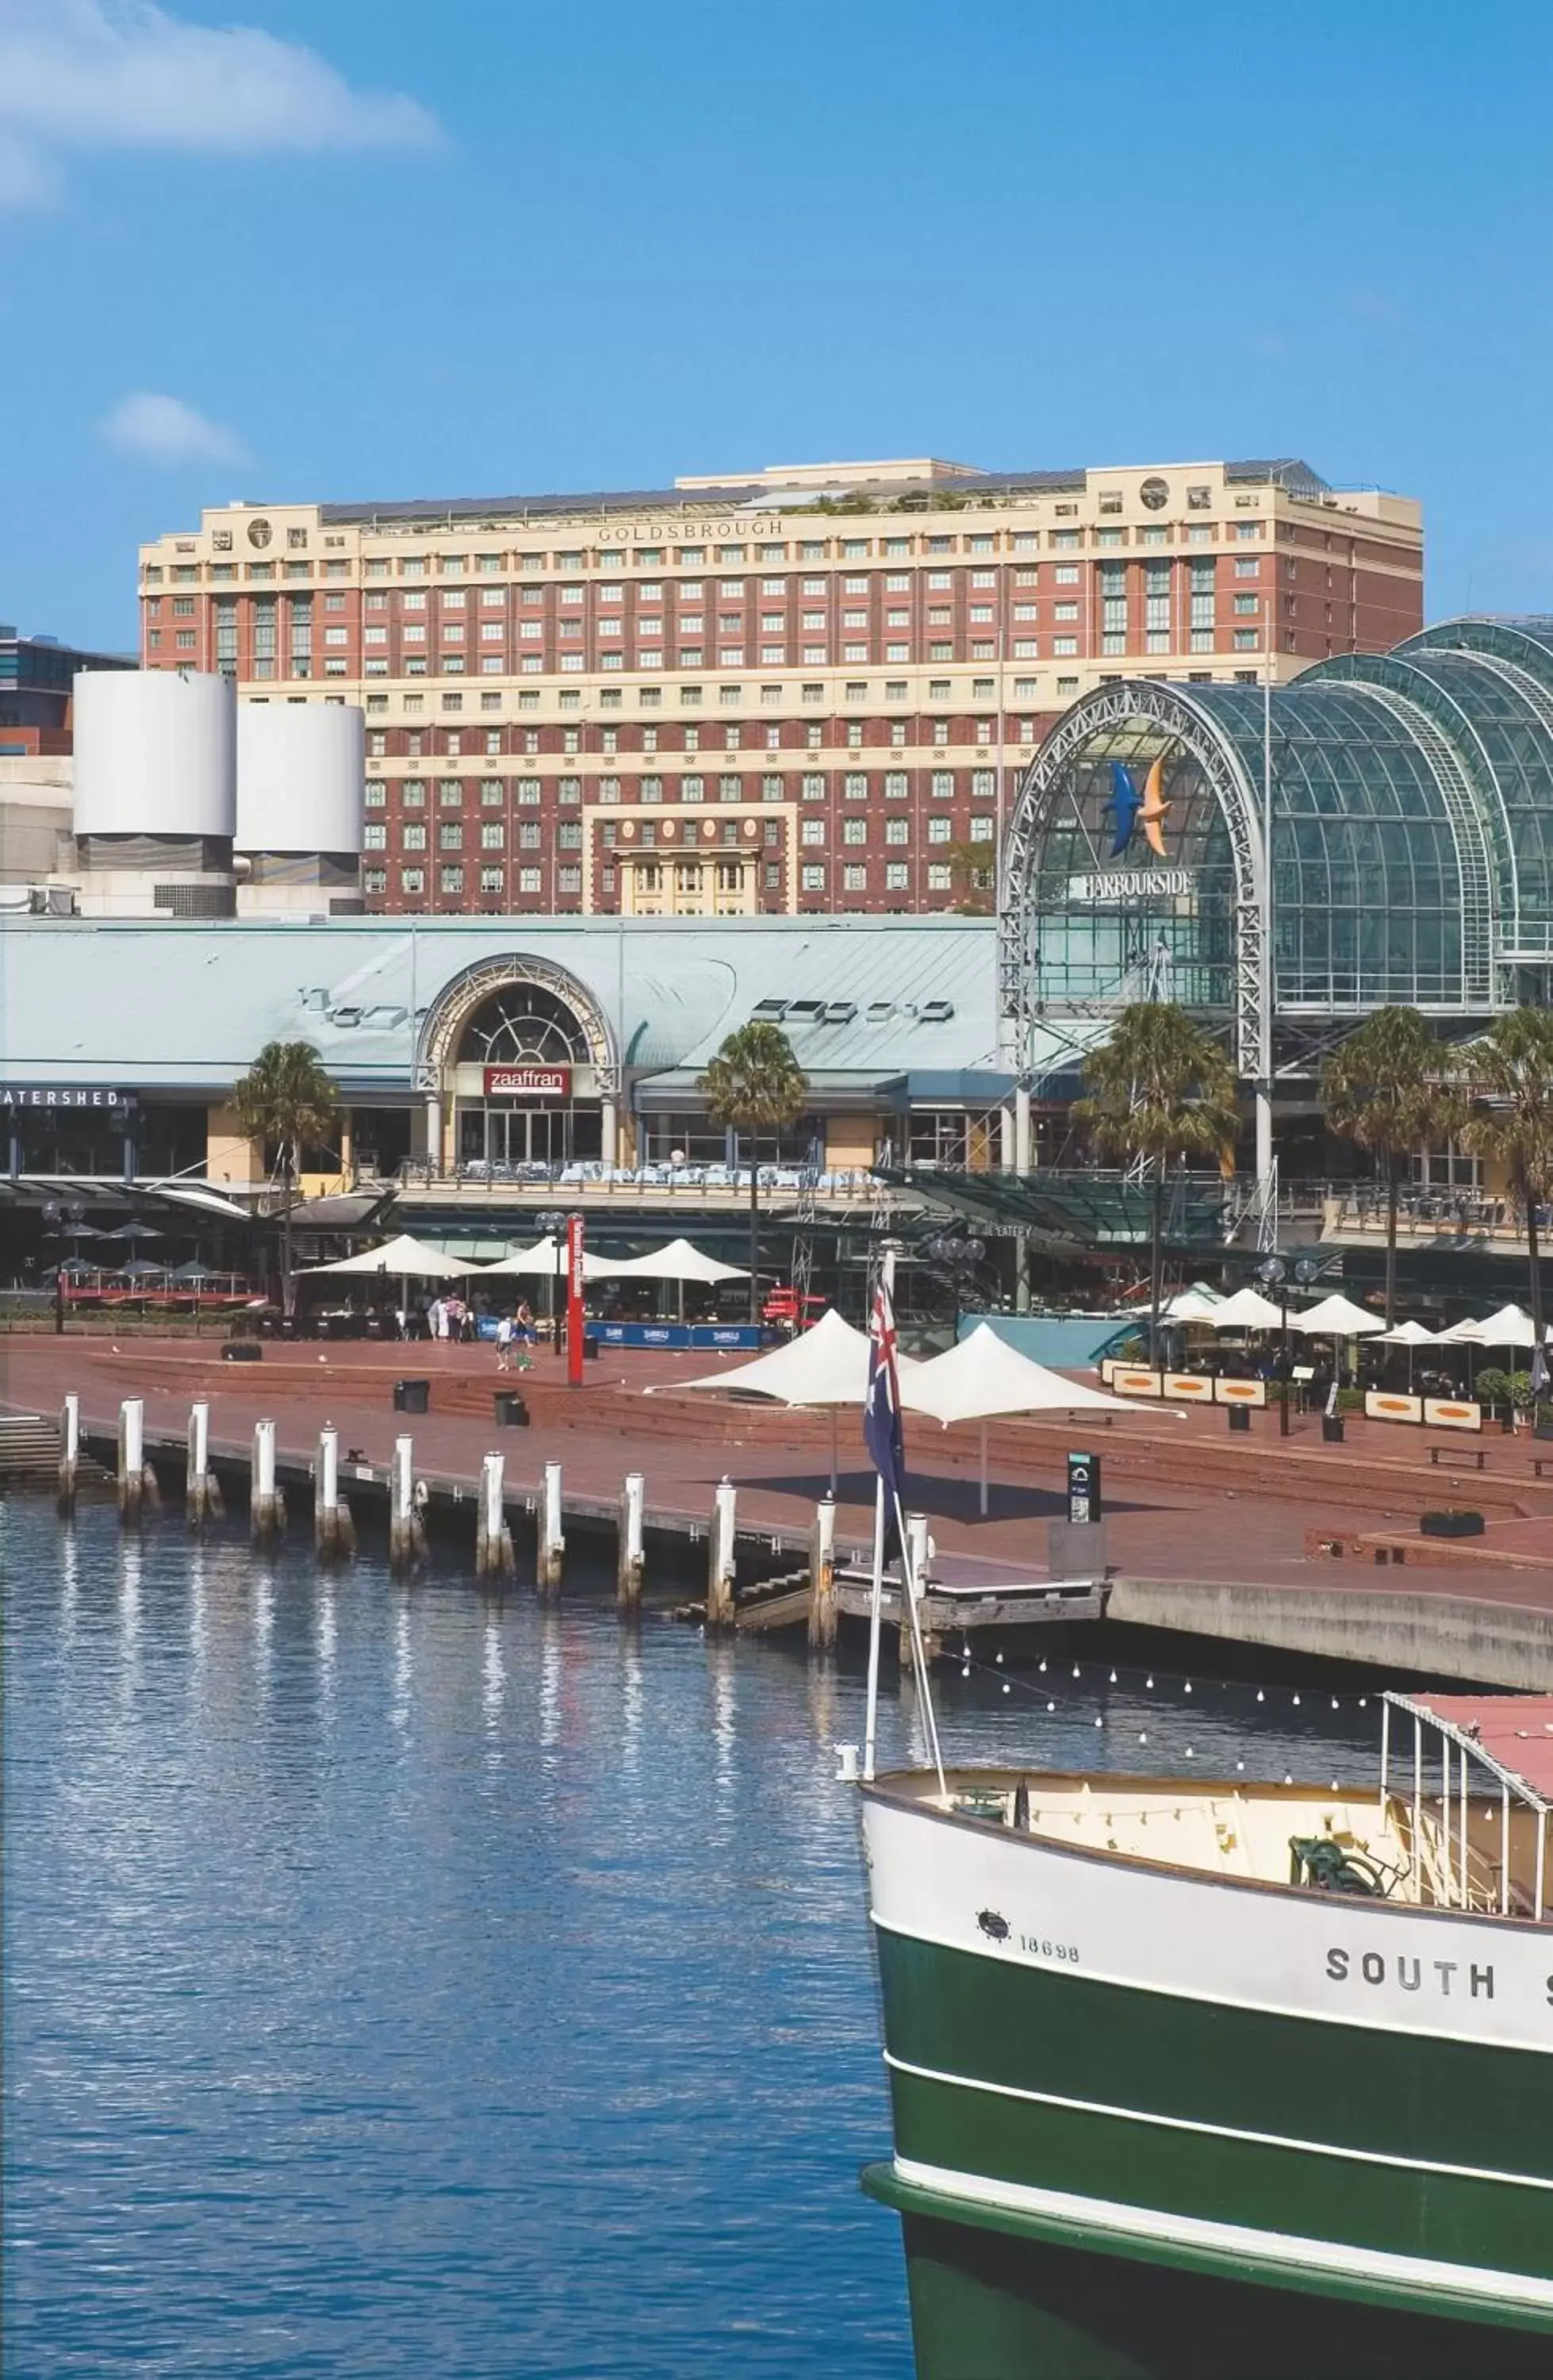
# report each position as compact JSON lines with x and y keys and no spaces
{"x":1387,"y":1089}
{"x":285,"y":1098}
{"x":1508,"y":1077}
{"x":755,"y":1085}
{"x":1159,"y":1089}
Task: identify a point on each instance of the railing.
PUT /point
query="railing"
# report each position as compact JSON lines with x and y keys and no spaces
{"x":586,"y":1181}
{"x":1428,"y":1214}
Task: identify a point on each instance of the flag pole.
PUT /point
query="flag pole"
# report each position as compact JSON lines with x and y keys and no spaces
{"x":908,"y":1590}
{"x":876,"y":1610}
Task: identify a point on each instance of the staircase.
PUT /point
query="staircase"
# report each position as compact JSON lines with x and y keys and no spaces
{"x":29,"y":1446}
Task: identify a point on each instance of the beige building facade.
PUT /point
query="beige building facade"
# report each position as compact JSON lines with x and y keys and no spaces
{"x":810,"y":688}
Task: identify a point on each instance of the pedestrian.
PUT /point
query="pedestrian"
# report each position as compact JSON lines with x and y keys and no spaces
{"x":436,"y":1320}
{"x":504,"y":1344}
{"x":523,"y":1323}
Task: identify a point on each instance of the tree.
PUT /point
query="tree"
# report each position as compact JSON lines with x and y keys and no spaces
{"x":973,"y":872}
{"x":1387,"y":1089}
{"x":1160,"y":1089}
{"x":1508,"y":1080}
{"x":287,"y":1100}
{"x":755,"y":1085}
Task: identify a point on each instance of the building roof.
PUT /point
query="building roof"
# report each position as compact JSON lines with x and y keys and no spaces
{"x":166,"y":1005}
{"x":1287,"y":471}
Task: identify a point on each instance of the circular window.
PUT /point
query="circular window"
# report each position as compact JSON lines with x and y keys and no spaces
{"x":259,"y":532}
{"x":1156,"y":494}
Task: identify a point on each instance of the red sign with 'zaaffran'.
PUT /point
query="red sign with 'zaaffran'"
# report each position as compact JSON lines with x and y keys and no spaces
{"x":529,"y":1082}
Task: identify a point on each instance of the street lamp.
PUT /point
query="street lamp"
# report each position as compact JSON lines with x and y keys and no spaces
{"x":1277,"y":1275}
{"x":62,"y":1220}
{"x":555,"y":1222}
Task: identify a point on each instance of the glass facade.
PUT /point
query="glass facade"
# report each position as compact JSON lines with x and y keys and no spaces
{"x":1411,"y":804}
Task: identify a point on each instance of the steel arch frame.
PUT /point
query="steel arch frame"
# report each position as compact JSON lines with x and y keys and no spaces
{"x":1173,"y":710}
{"x":458,"y":999}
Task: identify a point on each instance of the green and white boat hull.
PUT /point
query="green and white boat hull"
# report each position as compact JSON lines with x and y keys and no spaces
{"x":1327,"y":2117}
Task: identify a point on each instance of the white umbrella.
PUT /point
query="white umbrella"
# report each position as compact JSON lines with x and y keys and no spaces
{"x":546,"y":1257}
{"x":983,"y":1376}
{"x":1336,"y":1317}
{"x":827,"y":1365}
{"x":677,"y":1261}
{"x":1194,"y":1305}
{"x":1409,"y":1335}
{"x":1247,"y":1310}
{"x":1510,"y":1327}
{"x":411,"y":1260}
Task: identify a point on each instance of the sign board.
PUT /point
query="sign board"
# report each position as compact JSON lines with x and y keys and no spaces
{"x":1110,"y":887}
{"x":1381,"y":1404}
{"x":1451,"y":1412}
{"x":574,"y":1301}
{"x":528,"y":1082}
{"x":1193,"y":1387}
{"x":63,"y":1095}
{"x":1084,"y":1490}
{"x":1129,"y":1381}
{"x":1240,"y":1392}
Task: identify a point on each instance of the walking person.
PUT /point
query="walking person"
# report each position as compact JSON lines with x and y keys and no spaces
{"x":523,"y":1323}
{"x":505,"y":1328}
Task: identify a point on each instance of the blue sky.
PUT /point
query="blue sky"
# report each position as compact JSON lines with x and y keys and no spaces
{"x":383,"y":247}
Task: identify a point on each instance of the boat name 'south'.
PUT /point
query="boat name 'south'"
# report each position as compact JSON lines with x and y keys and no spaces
{"x":1449,"y":1978}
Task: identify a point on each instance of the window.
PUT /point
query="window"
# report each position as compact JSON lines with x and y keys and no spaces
{"x":730,"y":789}
{"x":854,"y":879}
{"x":568,"y":834}
{"x":529,"y":836}
{"x":490,"y":792}
{"x":412,"y":834}
{"x":491,"y":879}
{"x":897,"y":830}
{"x":897,"y":876}
{"x":854,"y":830}
{"x":1248,"y":604}
{"x":854,"y":785}
{"x":449,"y":794}
{"x":374,"y":835}
{"x":529,"y":879}
{"x":1245,"y":640}
{"x":1248,"y":529}
{"x":1199,"y":500}
{"x":942,"y":785}
{"x":983,"y":829}
{"x":813,"y":830}
{"x":451,"y":880}
{"x":691,"y":789}
{"x":812,"y":880}
{"x":1061,"y":645}
{"x":1247,"y":565}
{"x":568,"y":880}
{"x":412,"y":880}
{"x":814,"y":789}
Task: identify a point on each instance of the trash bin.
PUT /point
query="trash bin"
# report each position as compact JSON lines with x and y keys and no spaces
{"x":1331,"y":1428}
{"x":590,"y":1347}
{"x":242,"y":1351}
{"x":511,"y":1410}
{"x":1239,"y":1417}
{"x":412,"y":1396}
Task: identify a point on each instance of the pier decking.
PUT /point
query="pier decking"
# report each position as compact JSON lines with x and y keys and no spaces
{"x":1215,"y":1535}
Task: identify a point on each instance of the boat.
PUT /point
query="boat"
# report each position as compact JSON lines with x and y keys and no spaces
{"x":1197,"y":2080}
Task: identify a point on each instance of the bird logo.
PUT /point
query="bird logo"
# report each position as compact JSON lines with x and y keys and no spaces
{"x":1128,"y":809}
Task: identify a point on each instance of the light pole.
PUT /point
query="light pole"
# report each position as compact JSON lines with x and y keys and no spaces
{"x":1264,"y":972}
{"x":1277,"y":1274}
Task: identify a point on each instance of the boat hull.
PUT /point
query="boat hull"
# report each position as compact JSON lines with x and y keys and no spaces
{"x":1344,"y":2102}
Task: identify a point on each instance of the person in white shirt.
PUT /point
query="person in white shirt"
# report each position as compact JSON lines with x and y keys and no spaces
{"x":504,"y":1344}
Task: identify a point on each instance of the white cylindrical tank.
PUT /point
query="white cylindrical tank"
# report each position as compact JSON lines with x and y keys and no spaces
{"x":300,"y":769}
{"x":155,"y":753}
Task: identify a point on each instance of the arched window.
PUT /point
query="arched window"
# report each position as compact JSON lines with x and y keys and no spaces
{"x":523,"y":1022}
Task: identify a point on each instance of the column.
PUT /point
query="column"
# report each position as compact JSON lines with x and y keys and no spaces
{"x":435,"y":1132}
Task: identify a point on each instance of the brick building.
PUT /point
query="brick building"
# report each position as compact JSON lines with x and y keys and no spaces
{"x":813,"y":689}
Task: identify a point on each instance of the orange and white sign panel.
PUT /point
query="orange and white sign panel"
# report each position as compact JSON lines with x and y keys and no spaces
{"x":1450,"y":1412}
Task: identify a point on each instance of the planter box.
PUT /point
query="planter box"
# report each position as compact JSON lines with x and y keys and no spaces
{"x":1450,"y":1525}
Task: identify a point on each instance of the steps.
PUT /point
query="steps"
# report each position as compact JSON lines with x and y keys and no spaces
{"x":28,"y":1446}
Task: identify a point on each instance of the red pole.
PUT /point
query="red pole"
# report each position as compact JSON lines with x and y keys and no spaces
{"x":574,"y":1301}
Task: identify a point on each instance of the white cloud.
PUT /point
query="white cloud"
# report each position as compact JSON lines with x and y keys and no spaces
{"x":83,"y":74}
{"x":164,"y":429}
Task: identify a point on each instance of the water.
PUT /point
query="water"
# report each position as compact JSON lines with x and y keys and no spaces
{"x":408,"y":1982}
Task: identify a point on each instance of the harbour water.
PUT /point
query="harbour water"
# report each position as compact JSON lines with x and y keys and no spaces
{"x":402,"y":1980}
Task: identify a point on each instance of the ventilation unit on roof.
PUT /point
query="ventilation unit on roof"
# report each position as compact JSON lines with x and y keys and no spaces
{"x":936,"y":1012}
{"x":880,"y":1010}
{"x":772,"y":1010}
{"x":806,"y":1012}
{"x":838,"y":1012}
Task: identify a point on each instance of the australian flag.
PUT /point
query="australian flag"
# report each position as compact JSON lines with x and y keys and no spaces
{"x":881,"y":1409}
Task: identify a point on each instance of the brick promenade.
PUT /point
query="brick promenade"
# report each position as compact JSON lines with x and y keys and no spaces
{"x":1185,"y":1501}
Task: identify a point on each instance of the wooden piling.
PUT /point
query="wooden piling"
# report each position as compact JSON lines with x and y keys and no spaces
{"x":333,"y":1533}
{"x":70,"y":1452}
{"x":131,"y":1458}
{"x":720,"y":1555}
{"x":197,"y":1474}
{"x":406,"y":1535}
{"x":552,"y":1537}
{"x":493,"y":1547}
{"x":629,"y":1562}
{"x":264,"y":1514}
{"x":914,"y":1583}
{"x":822,"y":1575}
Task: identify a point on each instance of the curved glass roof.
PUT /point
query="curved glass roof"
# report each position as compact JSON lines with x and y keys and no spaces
{"x":1411,"y":829}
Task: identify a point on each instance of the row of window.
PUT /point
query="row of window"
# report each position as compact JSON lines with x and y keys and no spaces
{"x":695,"y":558}
{"x":939,"y":877}
{"x":812,"y":785}
{"x":530,"y":835}
{"x":903,"y":735}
